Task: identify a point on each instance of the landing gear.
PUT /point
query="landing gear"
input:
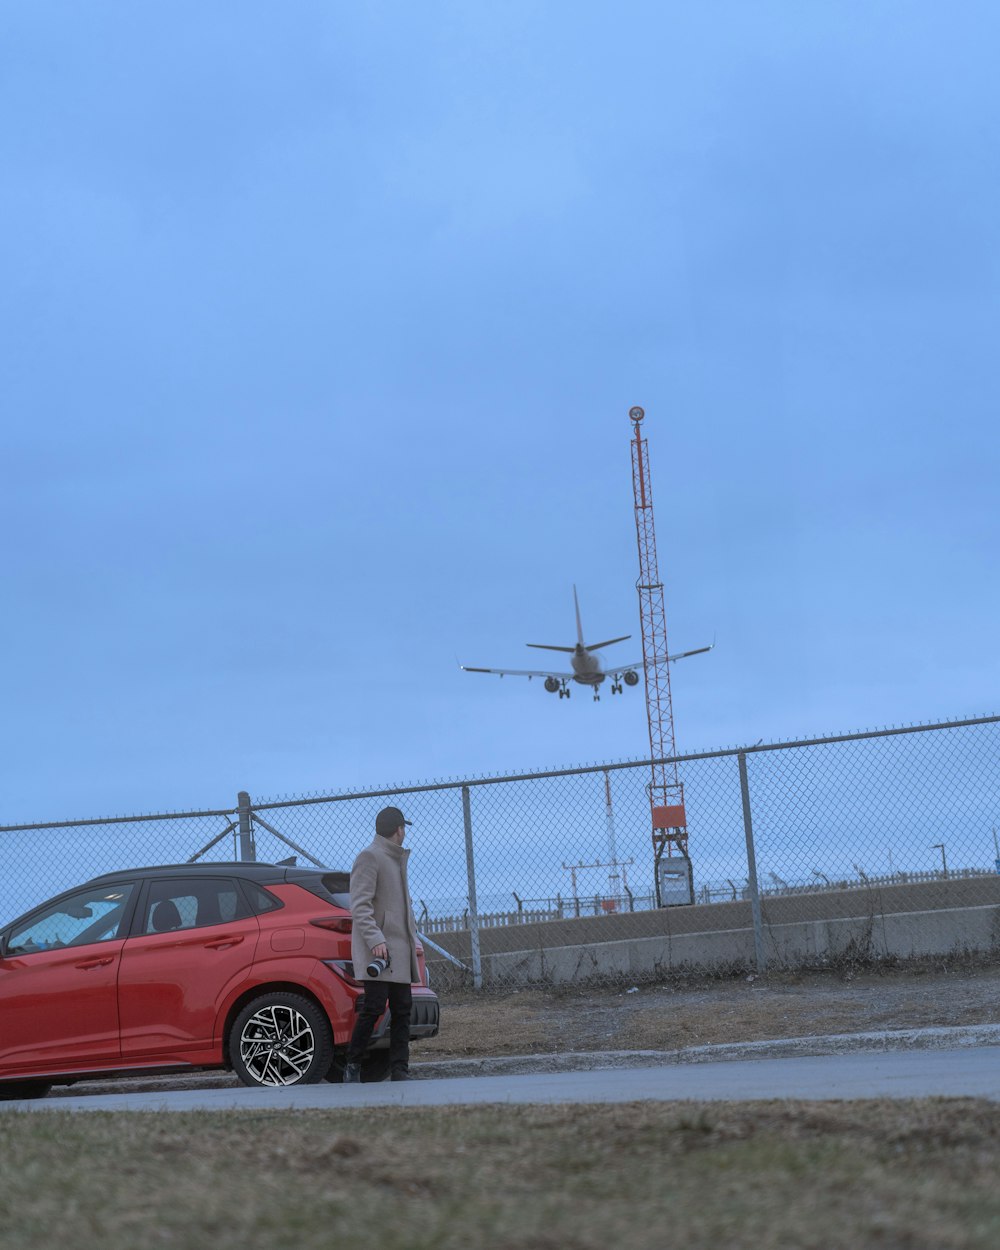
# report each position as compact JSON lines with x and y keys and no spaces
{"x":616,"y":687}
{"x":565,"y":691}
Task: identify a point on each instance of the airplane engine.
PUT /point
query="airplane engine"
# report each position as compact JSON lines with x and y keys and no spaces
{"x":631,"y":678}
{"x":551,"y":684}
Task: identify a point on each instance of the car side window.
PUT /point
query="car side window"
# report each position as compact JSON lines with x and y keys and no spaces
{"x":94,"y":914}
{"x":178,"y":903}
{"x":260,"y":899}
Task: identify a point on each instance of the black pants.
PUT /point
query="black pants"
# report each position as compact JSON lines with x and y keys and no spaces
{"x":400,"y":1000}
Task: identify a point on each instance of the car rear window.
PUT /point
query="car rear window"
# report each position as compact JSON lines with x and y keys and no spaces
{"x":331,"y":887}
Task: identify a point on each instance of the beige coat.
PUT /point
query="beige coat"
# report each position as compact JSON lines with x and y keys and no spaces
{"x":382,"y":912}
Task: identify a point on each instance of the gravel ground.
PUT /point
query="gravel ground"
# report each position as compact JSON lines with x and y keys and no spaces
{"x":675,"y":1016}
{"x":804,"y":1013}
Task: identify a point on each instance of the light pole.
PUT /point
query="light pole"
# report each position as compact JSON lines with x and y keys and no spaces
{"x":939,"y":846}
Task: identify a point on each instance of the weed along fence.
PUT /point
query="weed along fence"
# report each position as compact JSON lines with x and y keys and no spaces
{"x":869,"y":845}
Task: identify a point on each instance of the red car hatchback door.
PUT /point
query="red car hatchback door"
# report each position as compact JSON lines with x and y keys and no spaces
{"x":58,"y":983}
{"x":193,"y":943}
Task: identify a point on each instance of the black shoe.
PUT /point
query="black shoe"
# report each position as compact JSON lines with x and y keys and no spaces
{"x":352,"y":1074}
{"x":400,"y":1074}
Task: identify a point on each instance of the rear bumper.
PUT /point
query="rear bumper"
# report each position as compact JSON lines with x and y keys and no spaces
{"x":425,"y":1018}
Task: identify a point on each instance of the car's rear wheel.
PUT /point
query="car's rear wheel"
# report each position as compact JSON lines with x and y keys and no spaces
{"x":24,"y":1089}
{"x":281,"y":1039}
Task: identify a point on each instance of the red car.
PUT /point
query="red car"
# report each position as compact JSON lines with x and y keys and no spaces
{"x":244,"y":966}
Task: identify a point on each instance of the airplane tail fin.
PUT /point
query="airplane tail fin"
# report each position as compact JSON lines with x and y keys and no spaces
{"x":541,"y":646}
{"x":596,"y":646}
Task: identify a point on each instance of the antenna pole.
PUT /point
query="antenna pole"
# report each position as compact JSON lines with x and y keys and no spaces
{"x":666,"y":790}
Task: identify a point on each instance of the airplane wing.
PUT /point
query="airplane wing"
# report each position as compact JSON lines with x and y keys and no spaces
{"x":562,"y":676}
{"x":679,"y":655}
{"x":518,"y":672}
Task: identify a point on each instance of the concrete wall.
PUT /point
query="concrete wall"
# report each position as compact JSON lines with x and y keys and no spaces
{"x":675,"y":922}
{"x":942,"y":931}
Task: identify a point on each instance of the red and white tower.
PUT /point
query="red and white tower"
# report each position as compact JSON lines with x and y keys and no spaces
{"x":666,"y":790}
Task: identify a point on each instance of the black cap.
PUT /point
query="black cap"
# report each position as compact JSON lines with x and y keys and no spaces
{"x":388,"y":821}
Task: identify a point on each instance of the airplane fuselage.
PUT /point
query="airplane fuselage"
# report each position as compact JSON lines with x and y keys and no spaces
{"x":587,"y":668}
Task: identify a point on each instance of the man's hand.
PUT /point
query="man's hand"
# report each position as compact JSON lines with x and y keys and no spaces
{"x":381,"y":951}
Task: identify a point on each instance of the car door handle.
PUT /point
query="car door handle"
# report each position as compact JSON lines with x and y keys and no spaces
{"x":223,"y":943}
{"x":88,"y":964}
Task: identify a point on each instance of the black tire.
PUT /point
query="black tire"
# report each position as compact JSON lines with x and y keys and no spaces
{"x":23,"y":1089}
{"x":281,"y":1039}
{"x":374,"y":1066}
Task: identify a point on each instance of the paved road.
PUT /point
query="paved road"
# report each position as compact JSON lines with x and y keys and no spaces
{"x":968,"y":1072}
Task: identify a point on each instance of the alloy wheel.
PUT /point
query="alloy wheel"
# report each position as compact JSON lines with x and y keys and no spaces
{"x":277,"y":1045}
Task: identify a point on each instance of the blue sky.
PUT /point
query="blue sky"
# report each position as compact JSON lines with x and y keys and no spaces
{"x":320,"y":326}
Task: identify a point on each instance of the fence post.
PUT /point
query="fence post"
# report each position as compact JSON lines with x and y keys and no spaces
{"x":247,"y":850}
{"x":758,"y":924}
{"x":470,"y":868}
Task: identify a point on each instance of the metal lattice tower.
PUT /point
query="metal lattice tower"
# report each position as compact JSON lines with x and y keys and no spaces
{"x":666,"y":791}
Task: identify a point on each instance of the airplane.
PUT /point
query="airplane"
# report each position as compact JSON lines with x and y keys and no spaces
{"x":587,"y":668}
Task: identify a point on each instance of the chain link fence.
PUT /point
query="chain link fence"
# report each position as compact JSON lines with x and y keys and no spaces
{"x":860,"y":846}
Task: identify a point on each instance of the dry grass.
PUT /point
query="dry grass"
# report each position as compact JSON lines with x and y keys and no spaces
{"x":641,"y":1176}
{"x":668,"y":1017}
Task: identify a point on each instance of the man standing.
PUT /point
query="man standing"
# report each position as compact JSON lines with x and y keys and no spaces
{"x":384,"y":928}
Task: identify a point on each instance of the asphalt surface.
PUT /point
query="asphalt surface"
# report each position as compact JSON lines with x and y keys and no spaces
{"x":965,"y":1071}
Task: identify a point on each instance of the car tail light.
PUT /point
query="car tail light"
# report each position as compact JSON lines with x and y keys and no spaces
{"x":338,"y":924}
{"x":343,"y":968}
